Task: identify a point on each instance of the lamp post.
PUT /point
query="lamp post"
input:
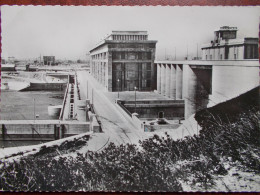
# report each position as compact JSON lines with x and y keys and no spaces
{"x":135,"y":98}
{"x":87,"y":89}
{"x":34,"y":109}
{"x":118,"y":88}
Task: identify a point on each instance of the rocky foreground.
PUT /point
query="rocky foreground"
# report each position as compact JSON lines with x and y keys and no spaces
{"x":225,"y":156}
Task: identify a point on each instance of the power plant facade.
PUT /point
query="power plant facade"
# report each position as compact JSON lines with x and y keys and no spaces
{"x":226,"y":46}
{"x":124,"y":61}
{"x":216,"y":78}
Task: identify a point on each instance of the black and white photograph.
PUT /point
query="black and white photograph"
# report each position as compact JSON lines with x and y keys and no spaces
{"x":130,"y":99}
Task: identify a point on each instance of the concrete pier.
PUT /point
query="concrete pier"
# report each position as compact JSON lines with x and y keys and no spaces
{"x":163,"y":79}
{"x":168,"y":79}
{"x":159,"y":78}
{"x":205,"y":83}
{"x":179,"y":81}
{"x":173,"y":82}
{"x":190,"y":90}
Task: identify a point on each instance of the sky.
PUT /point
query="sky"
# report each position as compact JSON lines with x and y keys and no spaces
{"x":69,"y":32}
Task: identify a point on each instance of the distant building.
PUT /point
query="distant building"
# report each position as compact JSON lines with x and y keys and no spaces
{"x":226,"y":46}
{"x":48,"y":60}
{"x":8,"y":67}
{"x":124,"y":60}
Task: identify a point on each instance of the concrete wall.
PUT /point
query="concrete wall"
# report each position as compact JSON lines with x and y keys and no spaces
{"x":151,"y":128}
{"x":173,"y":109}
{"x":46,"y":87}
{"x":74,"y":129}
{"x":231,"y":81}
{"x":205,"y":83}
{"x":42,"y":130}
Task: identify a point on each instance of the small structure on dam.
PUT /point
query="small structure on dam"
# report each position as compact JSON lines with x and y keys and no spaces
{"x":152,"y":115}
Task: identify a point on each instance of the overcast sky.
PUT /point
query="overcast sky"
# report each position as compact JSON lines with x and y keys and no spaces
{"x":69,"y":32}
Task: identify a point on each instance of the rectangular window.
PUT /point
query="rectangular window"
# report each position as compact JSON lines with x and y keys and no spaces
{"x":113,"y":55}
{"x":148,"y":66}
{"x":148,"y":75}
{"x":235,"y":56}
{"x":145,"y":55}
{"x":131,"y":56}
{"x":148,"y":83}
{"x":149,"y":55}
{"x":140,"y":55}
{"x":143,"y":83}
{"x":122,"y":55}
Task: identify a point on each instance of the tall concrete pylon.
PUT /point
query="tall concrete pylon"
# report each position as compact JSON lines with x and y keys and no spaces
{"x":179,"y":73}
{"x":163,"y":79}
{"x":173,"y":82}
{"x":159,"y":78}
{"x":168,"y":79}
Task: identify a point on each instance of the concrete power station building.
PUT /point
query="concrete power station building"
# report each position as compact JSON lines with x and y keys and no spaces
{"x":125,"y":60}
{"x":226,"y":46}
{"x":229,"y":68}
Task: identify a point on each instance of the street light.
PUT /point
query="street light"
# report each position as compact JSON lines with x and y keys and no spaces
{"x":135,"y":98}
{"x":34,"y":109}
{"x":118,"y":88}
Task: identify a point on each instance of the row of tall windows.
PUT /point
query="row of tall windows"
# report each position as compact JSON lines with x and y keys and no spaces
{"x":126,"y":76}
{"x":99,"y":56}
{"x":129,"y":37}
{"x":131,"y":55}
{"x":251,"y":51}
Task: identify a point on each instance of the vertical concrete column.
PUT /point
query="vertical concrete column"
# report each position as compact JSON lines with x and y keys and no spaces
{"x":190,"y":80}
{"x":158,"y":78}
{"x":103,"y":77}
{"x":163,"y":79}
{"x":168,"y":79}
{"x":179,"y":81}
{"x":109,"y":69}
{"x":99,"y":70}
{"x":173,"y":82}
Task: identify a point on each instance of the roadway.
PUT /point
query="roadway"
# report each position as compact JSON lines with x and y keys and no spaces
{"x":116,"y":127}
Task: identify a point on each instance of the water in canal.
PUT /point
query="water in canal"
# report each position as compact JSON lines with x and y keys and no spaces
{"x":17,"y":105}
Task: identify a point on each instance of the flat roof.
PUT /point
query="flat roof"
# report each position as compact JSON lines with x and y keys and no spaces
{"x":121,"y":41}
{"x":129,"y":32}
{"x":247,"y":62}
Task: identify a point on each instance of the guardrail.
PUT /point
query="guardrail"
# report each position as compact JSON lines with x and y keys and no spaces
{"x":119,"y":103}
{"x":97,"y":117}
{"x":64,"y":102}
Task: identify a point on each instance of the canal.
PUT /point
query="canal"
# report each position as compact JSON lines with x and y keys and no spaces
{"x":17,"y":105}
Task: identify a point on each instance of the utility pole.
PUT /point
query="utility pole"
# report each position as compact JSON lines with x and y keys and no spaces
{"x":92,"y":96}
{"x":197,"y":51}
{"x":34,"y":109}
{"x":175,"y":54}
{"x":187,"y":52}
{"x":135,"y":99}
{"x":118,"y":88}
{"x":87,"y":89}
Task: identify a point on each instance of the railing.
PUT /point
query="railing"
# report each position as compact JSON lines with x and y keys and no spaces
{"x":119,"y":103}
{"x":64,"y":102}
{"x":97,"y":117}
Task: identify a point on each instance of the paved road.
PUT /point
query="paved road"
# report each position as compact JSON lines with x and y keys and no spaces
{"x":117,"y":127}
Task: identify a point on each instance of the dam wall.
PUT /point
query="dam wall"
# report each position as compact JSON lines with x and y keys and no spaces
{"x":45,"y":130}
